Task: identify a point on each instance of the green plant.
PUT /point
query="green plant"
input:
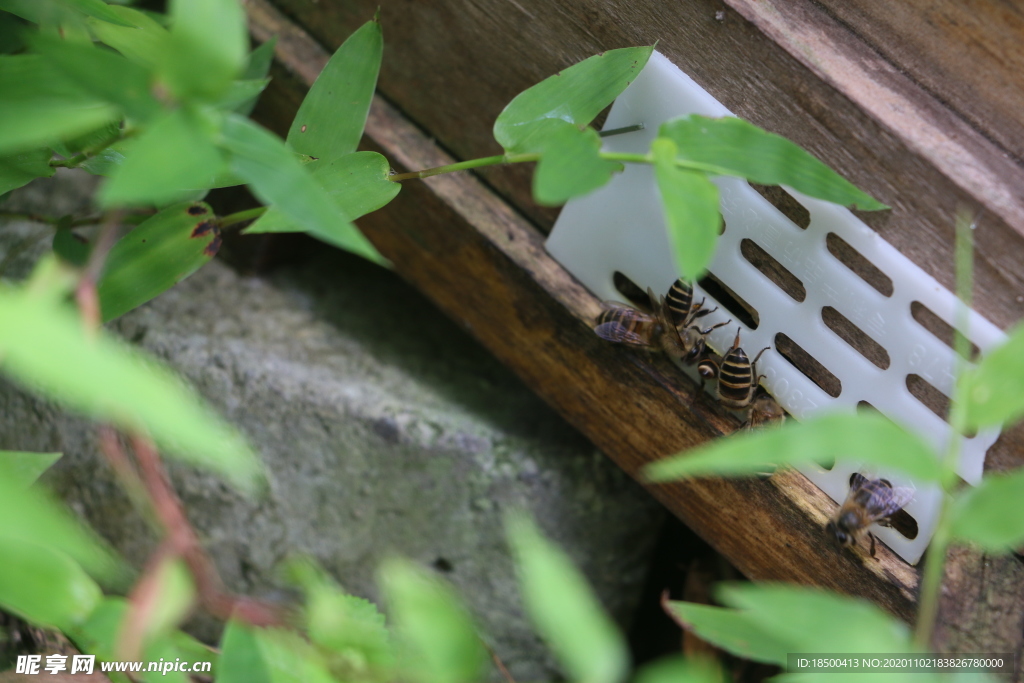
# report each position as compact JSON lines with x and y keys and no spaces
{"x":159,"y":106}
{"x":987,"y":515}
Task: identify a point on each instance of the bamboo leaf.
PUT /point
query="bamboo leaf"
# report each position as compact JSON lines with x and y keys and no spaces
{"x":870,"y":439}
{"x":60,"y":11}
{"x":23,"y":468}
{"x":817,"y":620}
{"x":45,"y":347}
{"x":564,"y":610}
{"x":358,"y":183}
{"x":277,"y":178}
{"x":143,"y":43}
{"x":103,"y":74}
{"x":332,"y":116}
{"x":161,"y":252}
{"x":990,"y":514}
{"x":20,"y":169}
{"x":207,"y":47}
{"x":441,"y":642}
{"x":175,"y":153}
{"x":993,"y":389}
{"x":570,"y":165}
{"x":678,"y":669}
{"x":44,"y":585}
{"x":39,"y":107}
{"x":733,"y":631}
{"x":575,"y":95}
{"x":731,"y":146}
{"x":690,"y":204}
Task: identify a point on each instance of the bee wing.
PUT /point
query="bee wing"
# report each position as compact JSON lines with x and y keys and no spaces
{"x":886,"y":501}
{"x":617,"y":332}
{"x":857,"y":481}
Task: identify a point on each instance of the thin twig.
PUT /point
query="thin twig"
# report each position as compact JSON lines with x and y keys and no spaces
{"x":498,"y":663}
{"x":85,"y":293}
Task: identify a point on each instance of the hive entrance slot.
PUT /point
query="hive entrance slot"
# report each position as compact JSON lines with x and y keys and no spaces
{"x":855,"y":337}
{"x":631,"y":291}
{"x":786,"y":203}
{"x":730,"y":301}
{"x":855,"y":261}
{"x":773,"y":270}
{"x":807,"y":364}
{"x":942,"y":330}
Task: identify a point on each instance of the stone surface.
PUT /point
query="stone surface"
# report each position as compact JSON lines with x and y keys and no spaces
{"x":384,"y":429}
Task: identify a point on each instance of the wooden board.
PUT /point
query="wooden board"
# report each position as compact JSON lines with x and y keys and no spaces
{"x":483,"y":263}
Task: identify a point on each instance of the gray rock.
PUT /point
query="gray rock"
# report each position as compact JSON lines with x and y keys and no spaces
{"x":385,"y":429}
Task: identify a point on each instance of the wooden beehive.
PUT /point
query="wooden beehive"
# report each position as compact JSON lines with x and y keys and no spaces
{"x":920,"y":105}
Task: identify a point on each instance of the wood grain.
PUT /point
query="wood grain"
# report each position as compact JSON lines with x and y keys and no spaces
{"x":481,"y":261}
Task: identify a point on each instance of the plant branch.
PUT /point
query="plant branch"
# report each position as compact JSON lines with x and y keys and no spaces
{"x":465,"y":165}
{"x":85,"y":293}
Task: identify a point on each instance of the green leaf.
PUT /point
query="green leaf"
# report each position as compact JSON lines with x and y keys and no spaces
{"x":97,"y":9}
{"x":277,"y":178}
{"x":677,"y":669}
{"x":990,"y":514}
{"x":144,"y":43}
{"x":993,"y":389}
{"x":241,"y":95}
{"x":570,"y":165}
{"x":330,"y":120}
{"x":207,"y":47}
{"x":39,"y":107}
{"x":31,"y":516}
{"x":690,"y":203}
{"x":44,"y":585}
{"x":104,"y":135}
{"x":731,"y":146}
{"x":20,"y":169}
{"x":59,"y":11}
{"x":575,"y":95}
{"x":168,"y":594}
{"x":268,"y":656}
{"x":358,"y":183}
{"x":871,"y":439}
{"x":103,"y":74}
{"x":46,"y":348}
{"x":441,"y":643}
{"x":23,"y":468}
{"x":98,"y":633}
{"x":349,"y":626}
{"x":816,"y":620}
{"x":564,"y":610}
{"x":733,"y":631}
{"x":175,"y":153}
{"x":161,"y":252}
{"x":109,"y":160}
{"x":257,"y":64}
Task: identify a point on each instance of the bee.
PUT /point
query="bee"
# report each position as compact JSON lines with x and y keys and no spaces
{"x":764,"y":410}
{"x":670,"y":327}
{"x":870,"y":501}
{"x":737,"y":376}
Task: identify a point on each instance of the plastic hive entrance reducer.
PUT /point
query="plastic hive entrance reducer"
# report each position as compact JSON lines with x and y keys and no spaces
{"x":621,"y":228}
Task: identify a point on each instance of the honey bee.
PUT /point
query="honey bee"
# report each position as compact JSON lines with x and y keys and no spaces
{"x":870,"y":501}
{"x":670,"y":327}
{"x":763,"y":411}
{"x":737,"y":377}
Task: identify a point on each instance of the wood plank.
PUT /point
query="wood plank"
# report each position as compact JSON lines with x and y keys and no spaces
{"x":786,"y":66}
{"x":969,"y":54}
{"x":485,"y":266}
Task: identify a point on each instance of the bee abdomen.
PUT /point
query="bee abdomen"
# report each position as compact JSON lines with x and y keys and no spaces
{"x":679,"y":300}
{"x":735,"y":376}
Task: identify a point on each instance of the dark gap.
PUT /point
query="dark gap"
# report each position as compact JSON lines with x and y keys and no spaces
{"x":855,"y":261}
{"x":721,"y":228}
{"x":786,"y":203}
{"x":900,"y":520}
{"x":443,"y":565}
{"x":773,"y":270}
{"x":730,"y":301}
{"x":631,"y":291}
{"x":923,"y":391}
{"x":942,"y":330}
{"x":855,"y":337}
{"x":806,"y":363}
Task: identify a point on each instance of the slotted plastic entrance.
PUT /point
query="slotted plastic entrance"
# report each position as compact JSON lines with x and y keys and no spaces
{"x":852,"y":281}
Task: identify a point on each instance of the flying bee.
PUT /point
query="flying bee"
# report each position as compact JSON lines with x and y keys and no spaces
{"x":737,"y":376}
{"x":870,"y":501}
{"x":670,"y":327}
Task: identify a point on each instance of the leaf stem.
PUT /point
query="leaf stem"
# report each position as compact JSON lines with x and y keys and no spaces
{"x":465,"y":165}
{"x":240,"y":217}
{"x":935,"y":558}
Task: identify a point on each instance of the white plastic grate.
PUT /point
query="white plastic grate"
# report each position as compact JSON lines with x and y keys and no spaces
{"x":621,"y":228}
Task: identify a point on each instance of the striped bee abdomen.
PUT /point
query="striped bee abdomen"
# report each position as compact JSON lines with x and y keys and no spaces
{"x":735,"y":377}
{"x":680,"y":301}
